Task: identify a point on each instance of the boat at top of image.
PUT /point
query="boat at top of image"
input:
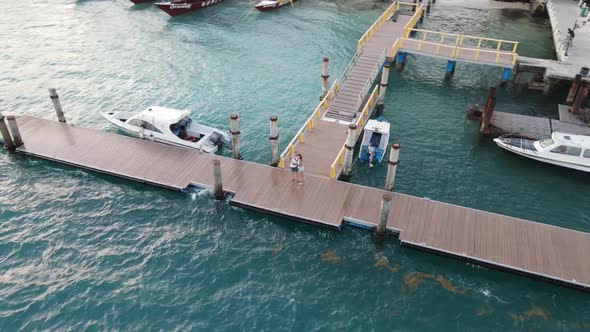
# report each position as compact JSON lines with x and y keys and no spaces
{"x":170,"y":126}
{"x":375,"y":140}
{"x":266,"y":5}
{"x":561,"y":149}
{"x":179,"y":7}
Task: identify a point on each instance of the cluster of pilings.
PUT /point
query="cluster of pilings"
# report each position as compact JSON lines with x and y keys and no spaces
{"x":577,"y":95}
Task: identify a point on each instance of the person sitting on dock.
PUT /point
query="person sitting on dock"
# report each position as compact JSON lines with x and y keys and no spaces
{"x":294,"y":167}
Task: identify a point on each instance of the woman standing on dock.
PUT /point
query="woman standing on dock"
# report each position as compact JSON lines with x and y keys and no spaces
{"x":300,"y":168}
{"x":294,"y":166}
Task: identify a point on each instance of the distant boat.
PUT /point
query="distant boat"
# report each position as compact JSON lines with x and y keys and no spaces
{"x":179,"y":7}
{"x":561,"y":149}
{"x":170,"y":126}
{"x":375,"y":140}
{"x":266,"y":5}
{"x":140,"y":1}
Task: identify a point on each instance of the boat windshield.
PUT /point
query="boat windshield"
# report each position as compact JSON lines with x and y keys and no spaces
{"x":546,"y":142}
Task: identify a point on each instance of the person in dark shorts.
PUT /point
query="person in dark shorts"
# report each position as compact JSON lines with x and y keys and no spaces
{"x":294,"y":165}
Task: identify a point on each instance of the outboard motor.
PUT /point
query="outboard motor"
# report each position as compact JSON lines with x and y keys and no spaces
{"x":215,"y":138}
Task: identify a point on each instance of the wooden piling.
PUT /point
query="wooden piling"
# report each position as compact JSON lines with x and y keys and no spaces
{"x":414,"y":6}
{"x":349,"y":150}
{"x":571,"y":96}
{"x":392,"y":167}
{"x":8,"y":142}
{"x":580,"y":97}
{"x":383,"y":88}
{"x":325,"y":77}
{"x":422,"y":17}
{"x":13,"y":126}
{"x":488,"y":109}
{"x":383,"y":216}
{"x":57,"y":105}
{"x":217,"y":183}
{"x":273,"y":138}
{"x":234,"y":130}
{"x":428,"y":6}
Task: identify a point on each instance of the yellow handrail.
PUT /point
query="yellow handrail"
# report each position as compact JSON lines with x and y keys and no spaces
{"x":413,"y":21}
{"x":360,"y":122}
{"x":309,"y":123}
{"x":456,"y":50}
{"x":373,"y":28}
{"x":462,"y":38}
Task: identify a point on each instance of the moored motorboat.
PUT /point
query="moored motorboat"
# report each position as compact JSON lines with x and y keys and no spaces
{"x":266,"y":5}
{"x":375,"y":140}
{"x":561,"y":149}
{"x":169,"y":126}
{"x":179,"y":7}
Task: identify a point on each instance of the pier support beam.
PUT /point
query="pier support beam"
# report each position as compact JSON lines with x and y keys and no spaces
{"x":273,"y":138}
{"x":506,"y":73}
{"x":13,"y":126}
{"x":234,"y":130}
{"x":414,"y":7}
{"x":383,"y":88}
{"x":428,"y":6}
{"x":381,"y":229}
{"x":488,"y":110}
{"x":571,"y":96}
{"x":400,"y":60}
{"x":349,"y":150}
{"x":450,"y":69}
{"x":422,"y":17}
{"x":392,"y":167}
{"x":325,"y":77}
{"x":57,"y":105}
{"x":580,"y":97}
{"x":8,"y":142}
{"x":217,"y":184}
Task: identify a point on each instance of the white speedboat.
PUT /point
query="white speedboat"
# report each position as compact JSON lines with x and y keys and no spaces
{"x":169,"y":126}
{"x":566,"y":150}
{"x":375,"y":140}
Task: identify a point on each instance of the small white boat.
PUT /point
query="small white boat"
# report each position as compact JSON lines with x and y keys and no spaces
{"x":375,"y":140}
{"x":169,"y":126}
{"x":566,"y":150}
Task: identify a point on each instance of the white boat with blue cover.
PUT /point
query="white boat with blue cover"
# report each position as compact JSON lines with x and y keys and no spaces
{"x":170,"y":126}
{"x":375,"y":140}
{"x":561,"y":149}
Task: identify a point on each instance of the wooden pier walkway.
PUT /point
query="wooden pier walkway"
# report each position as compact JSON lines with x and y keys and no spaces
{"x":533,"y":249}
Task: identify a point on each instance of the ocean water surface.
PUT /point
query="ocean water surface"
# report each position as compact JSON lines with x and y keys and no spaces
{"x":83,"y":251}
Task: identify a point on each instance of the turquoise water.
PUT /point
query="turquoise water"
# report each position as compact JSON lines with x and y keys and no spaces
{"x":81,"y":251}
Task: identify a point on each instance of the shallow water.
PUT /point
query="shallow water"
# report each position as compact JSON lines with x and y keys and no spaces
{"x":81,"y":251}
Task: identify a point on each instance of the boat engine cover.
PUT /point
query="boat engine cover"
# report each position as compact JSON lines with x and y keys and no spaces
{"x":215,"y":138}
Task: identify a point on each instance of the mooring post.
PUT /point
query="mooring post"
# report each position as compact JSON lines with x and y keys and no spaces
{"x":415,"y":5}
{"x":392,"y":167}
{"x":433,"y":2}
{"x":273,"y":138}
{"x":234,"y":130}
{"x":8,"y":142}
{"x":571,"y":96}
{"x":217,"y":184}
{"x":349,"y":149}
{"x":57,"y":105}
{"x":13,"y":126}
{"x":580,"y":97}
{"x":506,"y":72}
{"x":325,"y":77}
{"x":450,"y":69}
{"x":428,"y":6}
{"x":421,"y":18}
{"x":400,"y":60}
{"x":383,"y":88}
{"x":488,"y":110}
{"x":383,"y":216}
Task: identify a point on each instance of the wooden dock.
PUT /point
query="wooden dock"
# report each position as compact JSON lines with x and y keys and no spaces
{"x":547,"y":252}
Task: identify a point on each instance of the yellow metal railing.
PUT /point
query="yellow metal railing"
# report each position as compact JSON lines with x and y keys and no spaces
{"x":309,"y":123}
{"x":458,"y":43}
{"x":388,"y":12}
{"x":360,"y":123}
{"x":413,"y":21}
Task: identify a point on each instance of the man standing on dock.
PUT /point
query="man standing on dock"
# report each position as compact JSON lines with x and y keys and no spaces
{"x":294,"y":166}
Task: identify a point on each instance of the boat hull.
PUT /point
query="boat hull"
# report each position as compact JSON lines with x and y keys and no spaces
{"x":180,"y":8}
{"x":276,"y":5}
{"x":531,"y":155}
{"x":140,"y":1}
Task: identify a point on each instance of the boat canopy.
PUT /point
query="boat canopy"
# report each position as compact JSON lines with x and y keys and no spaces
{"x":376,"y":127}
{"x":163,"y":115}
